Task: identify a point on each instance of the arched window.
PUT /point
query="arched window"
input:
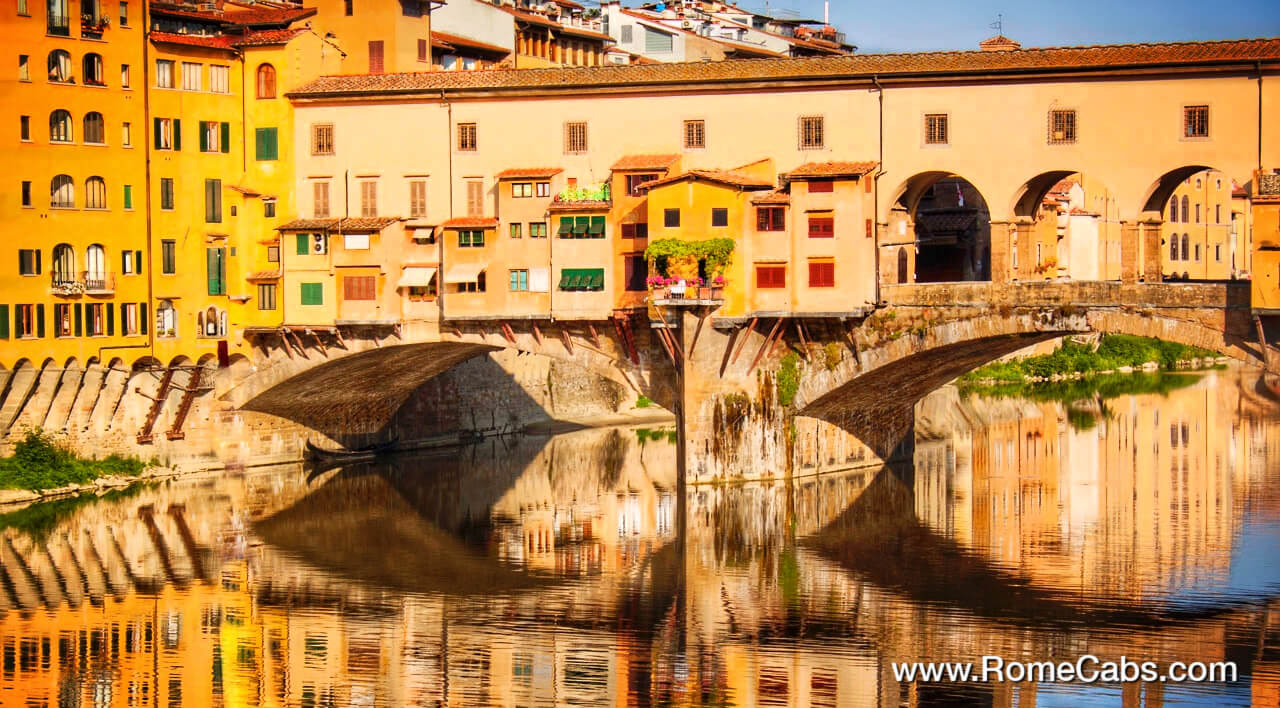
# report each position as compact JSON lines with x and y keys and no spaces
{"x":1173,"y":247}
{"x":166,"y":319}
{"x":95,"y":266}
{"x":64,"y":264}
{"x":62,"y":192}
{"x":95,"y":193}
{"x":60,"y":66}
{"x":1186,"y":247}
{"x":266,"y":81}
{"x":92,"y":70}
{"x":902,"y":265}
{"x":1186,"y":209}
{"x":60,"y":129}
{"x":1197,"y":183}
{"x":1173,"y":209}
{"x":95,"y":128}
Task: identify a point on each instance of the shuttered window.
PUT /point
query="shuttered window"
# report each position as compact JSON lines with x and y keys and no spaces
{"x":359,"y":287}
{"x":475,"y":198}
{"x":771,"y":219}
{"x":418,"y":197}
{"x":168,"y":257}
{"x":819,"y":186}
{"x":821,"y":226}
{"x":213,"y":201}
{"x":375,"y":57}
{"x":216,"y":268}
{"x":657,"y":42}
{"x":771,"y":276}
{"x":822,"y":274}
{"x":695,"y":134}
{"x":320,"y":207}
{"x":267,"y":144}
{"x":312,"y":294}
{"x":369,"y":198}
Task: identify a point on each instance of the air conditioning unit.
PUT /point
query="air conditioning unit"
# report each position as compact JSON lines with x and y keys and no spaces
{"x":319,"y":244}
{"x":208,"y":7}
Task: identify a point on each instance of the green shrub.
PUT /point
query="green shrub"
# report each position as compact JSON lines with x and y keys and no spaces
{"x":643,"y":401}
{"x":788,"y":378}
{"x":38,"y":462}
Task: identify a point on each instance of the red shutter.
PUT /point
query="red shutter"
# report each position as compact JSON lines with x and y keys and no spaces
{"x":771,"y":276}
{"x":628,"y":231}
{"x":822,"y":227}
{"x":821,"y":185}
{"x":375,"y":57}
{"x":358,"y":287}
{"x":870,"y":231}
{"x":822,"y":275}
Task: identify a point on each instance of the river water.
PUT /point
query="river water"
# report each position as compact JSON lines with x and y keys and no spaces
{"x":1136,"y":520}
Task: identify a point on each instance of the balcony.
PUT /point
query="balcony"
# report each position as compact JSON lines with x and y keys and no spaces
{"x":93,"y":24}
{"x":84,"y":283}
{"x":672,"y":292}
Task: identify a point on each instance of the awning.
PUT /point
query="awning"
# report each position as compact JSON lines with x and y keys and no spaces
{"x":580,"y":226}
{"x":416,"y":277}
{"x":597,"y":226}
{"x":566,"y":226}
{"x":582,"y":279}
{"x":467,"y":273}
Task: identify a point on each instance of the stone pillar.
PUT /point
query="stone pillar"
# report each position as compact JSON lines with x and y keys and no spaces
{"x":1001,"y":251}
{"x":1152,"y":254}
{"x":1130,"y":251}
{"x":1024,"y":230}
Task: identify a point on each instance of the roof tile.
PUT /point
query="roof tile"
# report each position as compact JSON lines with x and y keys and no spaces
{"x":530,"y":172}
{"x":823,"y":170}
{"x":645,"y":162}
{"x":471,"y":222}
{"x":729,"y":177}
{"x":366,"y":223}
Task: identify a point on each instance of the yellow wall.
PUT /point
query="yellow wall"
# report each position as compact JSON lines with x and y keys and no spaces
{"x":1209,"y":256}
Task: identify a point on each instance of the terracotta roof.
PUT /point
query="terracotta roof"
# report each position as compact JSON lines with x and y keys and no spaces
{"x":471,"y":222}
{"x":777,"y":196}
{"x":530,"y":172}
{"x":999,"y":43}
{"x":543,"y":21}
{"x":883,"y":66}
{"x":729,"y":177}
{"x":354,"y":224}
{"x":247,"y":191}
{"x":581,"y":205}
{"x":736,"y":47}
{"x":445,"y":40}
{"x":825,"y":170}
{"x":263,"y":275}
{"x":1238,"y":192}
{"x":261,"y":38}
{"x":191,"y":40}
{"x":644,"y":162}
{"x":252,"y":18}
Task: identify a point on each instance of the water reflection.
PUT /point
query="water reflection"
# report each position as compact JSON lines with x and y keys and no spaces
{"x":552,"y":571}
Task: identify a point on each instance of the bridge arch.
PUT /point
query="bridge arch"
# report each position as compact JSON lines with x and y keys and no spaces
{"x":942,"y":221}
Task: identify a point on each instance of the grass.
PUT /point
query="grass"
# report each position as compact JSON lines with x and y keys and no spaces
{"x":644,"y":435}
{"x":38,"y":520}
{"x":38,"y":463}
{"x":1094,"y":390}
{"x":643,"y":401}
{"x":1113,"y":352}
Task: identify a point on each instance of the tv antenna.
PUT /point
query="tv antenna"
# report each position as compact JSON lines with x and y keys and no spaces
{"x":998,"y":25}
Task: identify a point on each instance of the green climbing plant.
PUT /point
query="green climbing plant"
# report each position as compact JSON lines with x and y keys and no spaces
{"x":714,"y":254}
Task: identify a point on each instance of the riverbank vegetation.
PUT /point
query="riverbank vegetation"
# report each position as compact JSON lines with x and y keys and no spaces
{"x":39,"y":519}
{"x":1114,"y":352}
{"x":38,"y":463}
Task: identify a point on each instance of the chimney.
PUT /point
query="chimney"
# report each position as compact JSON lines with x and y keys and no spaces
{"x":999,"y":43}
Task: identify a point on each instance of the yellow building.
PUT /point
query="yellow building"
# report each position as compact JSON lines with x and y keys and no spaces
{"x":1266,"y":242}
{"x":1199,"y":237}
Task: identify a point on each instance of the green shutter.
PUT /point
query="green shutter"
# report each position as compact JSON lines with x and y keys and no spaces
{"x":79,"y":319}
{"x":216,"y":270}
{"x":566,"y":277}
{"x":4,"y":321}
{"x":597,"y":226}
{"x":142,"y":316}
{"x":177,"y":134}
{"x":595,"y":278}
{"x":580,"y":225}
{"x":111,"y":320}
{"x":204,"y":136}
{"x":137,"y":262}
{"x":155,"y":132}
{"x":124,"y":319}
{"x":566,"y":226}
{"x":303,"y":244}
{"x":128,"y":196}
{"x":312,"y":294}
{"x":40,"y":320}
{"x":266,"y":147}
{"x":226,"y":137}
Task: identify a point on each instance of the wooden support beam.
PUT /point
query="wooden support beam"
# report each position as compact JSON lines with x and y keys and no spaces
{"x":745,"y":335}
{"x":595,"y":338}
{"x":506,"y":332}
{"x":537,"y":334}
{"x":457,"y":333}
{"x":804,"y":345}
{"x":629,"y":337}
{"x":696,"y":331}
{"x":666,"y":346}
{"x":337,"y":333}
{"x":568,"y":341}
{"x":764,"y":346}
{"x":319,"y":342}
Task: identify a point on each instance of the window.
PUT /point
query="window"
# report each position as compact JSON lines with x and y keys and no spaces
{"x":719,"y":217}
{"x":1217,"y":252}
{"x":26,"y":193}
{"x":1186,"y":209}
{"x":124,"y":14}
{"x":582,"y":279}
{"x":128,"y":318}
{"x":167,"y":133}
{"x":62,"y":320}
{"x":22,"y":9}
{"x":24,"y":71}
{"x":575,"y":137}
{"x":636,"y":230}
{"x":131,"y":262}
{"x":1173,"y":209}
{"x":95,"y":193}
{"x":355,"y":242}
{"x":59,"y":19}
{"x":635,"y":182}
{"x":519,"y":279}
{"x":168,"y":256}
{"x":822,"y":225}
{"x":417,"y":198}
{"x":268,"y":208}
{"x":266,"y":81}
{"x":515,"y":229}
{"x":28,"y":261}
{"x":1195,"y":121}
{"x":166,"y":193}
{"x":95,"y":263}
{"x":322,"y":139}
{"x":771,"y":218}
{"x":1197,"y":253}
{"x":320,"y":200}
{"x":164,"y":73}
{"x":24,"y":321}
{"x":544,"y":189}
{"x":771,"y":276}
{"x":312,"y":293}
{"x":368,"y":198}
{"x":822,"y":274}
{"x":95,"y":326}
{"x":93,"y":73}
{"x":1217,"y":213}
{"x":520,"y":190}
{"x":1197,"y":214}
{"x":213,"y":201}
{"x":635,"y":272}
{"x":273,"y":254}
{"x":266,"y":296}
{"x":60,"y":66}
{"x":695,"y":134}
{"x":375,"y":57}
{"x":64,"y":264}
{"x":346,"y":8}
{"x":671,"y":218}
{"x":812,"y":133}
{"x":935,"y":129}
{"x":537,"y":229}
{"x":166,"y":319}
{"x":267,"y":146}
{"x":627,"y":31}
{"x":192,"y":76}
{"x":95,"y":128}
{"x":124,"y":76}
{"x":60,"y":130}
{"x":466,"y":136}
{"x":657,"y":42}
{"x":1062,"y":127}
{"x":475,"y":198}
{"x":471,"y":239}
{"x":821,"y":185}
{"x":216,"y":270}
{"x":1186,"y":247}
{"x":126,"y":134}
{"x":359,"y":287}
{"x":311,"y":244}
{"x":62,"y":192}
{"x":219,"y":79}
{"x":24,"y":128}
{"x":422,"y":50}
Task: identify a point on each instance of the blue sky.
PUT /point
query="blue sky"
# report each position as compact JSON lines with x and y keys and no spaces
{"x":921,"y":25}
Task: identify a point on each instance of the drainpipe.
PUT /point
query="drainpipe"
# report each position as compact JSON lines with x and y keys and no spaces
{"x":875,"y":187}
{"x":146,"y":197}
{"x":448,"y":146}
{"x":1258,"y":65}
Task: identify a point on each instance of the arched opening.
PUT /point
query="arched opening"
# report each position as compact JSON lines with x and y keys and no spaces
{"x":212,"y":322}
{"x":266,"y":81}
{"x":92,"y":70}
{"x":902,"y":264}
{"x":1068,"y":227}
{"x":95,"y":267}
{"x":946,"y":221}
{"x":64,"y":264}
{"x":1199,"y":240}
{"x":95,"y":193}
{"x":60,"y":67}
{"x":62,"y":192}
{"x":166,"y":319}
{"x":95,"y":128}
{"x":60,"y":128}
